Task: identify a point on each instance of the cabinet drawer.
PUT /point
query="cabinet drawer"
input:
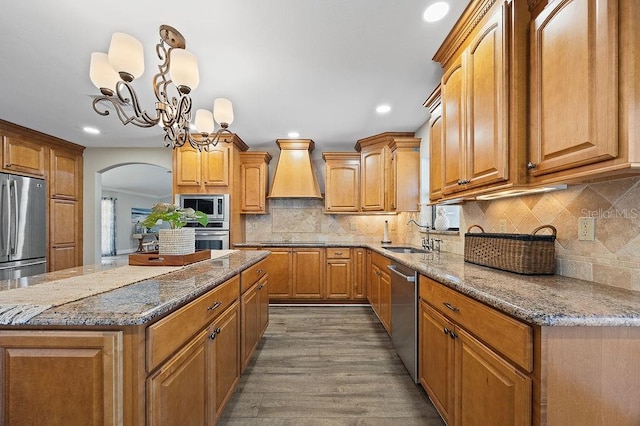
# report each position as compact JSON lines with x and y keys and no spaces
{"x":380,"y":261}
{"x":252,"y":275}
{"x":506,"y":335}
{"x":338,"y":253}
{"x":167,"y":335}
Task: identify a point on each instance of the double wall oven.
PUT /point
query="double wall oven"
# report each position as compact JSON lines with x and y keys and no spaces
{"x":214,"y":236}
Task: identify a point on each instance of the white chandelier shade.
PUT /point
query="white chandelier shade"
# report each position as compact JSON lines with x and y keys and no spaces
{"x":102,"y":74}
{"x":223,"y":111}
{"x":184,"y":69}
{"x":204,"y":121}
{"x":126,"y":54}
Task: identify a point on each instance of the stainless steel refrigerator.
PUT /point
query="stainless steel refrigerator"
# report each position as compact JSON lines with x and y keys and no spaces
{"x":23,"y":238}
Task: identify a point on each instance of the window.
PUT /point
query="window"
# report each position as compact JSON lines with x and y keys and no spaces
{"x":108,"y":226}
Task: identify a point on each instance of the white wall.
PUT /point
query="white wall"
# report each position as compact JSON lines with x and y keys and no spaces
{"x":124,"y":225}
{"x":96,"y":161}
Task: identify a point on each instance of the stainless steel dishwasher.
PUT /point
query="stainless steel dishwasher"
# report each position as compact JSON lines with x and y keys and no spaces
{"x":404,"y":316}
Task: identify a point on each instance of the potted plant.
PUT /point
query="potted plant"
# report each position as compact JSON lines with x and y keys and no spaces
{"x":177,"y":240}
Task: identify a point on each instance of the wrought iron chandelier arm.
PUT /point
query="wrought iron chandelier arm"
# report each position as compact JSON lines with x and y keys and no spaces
{"x":126,"y":97}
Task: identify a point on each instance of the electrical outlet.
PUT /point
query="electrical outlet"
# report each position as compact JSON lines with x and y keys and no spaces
{"x":502,"y":226}
{"x":352,"y":226}
{"x":587,"y":228}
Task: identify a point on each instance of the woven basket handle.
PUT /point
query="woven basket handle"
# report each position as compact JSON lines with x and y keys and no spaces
{"x":475,"y":226}
{"x":554,"y":231}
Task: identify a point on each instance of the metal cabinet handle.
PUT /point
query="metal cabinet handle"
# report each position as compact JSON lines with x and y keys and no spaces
{"x":452,"y":334}
{"x":214,"y":306}
{"x":446,"y":330}
{"x":338,"y":253}
{"x":450,"y":306}
{"x":260,"y":287}
{"x":259,"y":271}
{"x":531,"y":165}
{"x":214,"y":333}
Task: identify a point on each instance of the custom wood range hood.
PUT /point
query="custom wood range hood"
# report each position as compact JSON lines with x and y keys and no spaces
{"x":294,"y":176}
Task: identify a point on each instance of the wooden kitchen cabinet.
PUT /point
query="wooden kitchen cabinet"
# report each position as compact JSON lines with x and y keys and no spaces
{"x":491,"y":362}
{"x":65,"y":248}
{"x":405,"y":175}
{"x":374,"y":178}
{"x":65,"y":174}
{"x":192,"y":386}
{"x":436,"y":350}
{"x":308,"y":273}
{"x":483,"y":100}
{"x":254,"y":309}
{"x":254,"y":181}
{"x":359,"y":260}
{"x":342,"y":182}
{"x":436,"y":168}
{"x":339,"y":282}
{"x":280,"y":267}
{"x":22,"y":155}
{"x":201,"y":169}
{"x":379,"y":293}
{"x":584,"y":85}
{"x":44,"y":370}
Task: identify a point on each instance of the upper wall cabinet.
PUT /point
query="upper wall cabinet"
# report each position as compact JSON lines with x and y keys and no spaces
{"x":381,"y":183}
{"x":585,"y":90}
{"x":436,"y":172}
{"x":205,"y":172}
{"x":24,"y":156}
{"x":482,"y":119}
{"x":254,"y":182}
{"x":342,"y":182}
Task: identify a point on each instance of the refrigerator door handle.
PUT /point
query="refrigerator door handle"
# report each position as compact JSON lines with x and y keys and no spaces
{"x":14,"y":234}
{"x":6,"y":231}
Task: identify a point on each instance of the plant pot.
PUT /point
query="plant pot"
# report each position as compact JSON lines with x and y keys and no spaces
{"x":177,"y":241}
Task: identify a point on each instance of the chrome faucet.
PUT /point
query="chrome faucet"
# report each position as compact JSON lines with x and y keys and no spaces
{"x":427,"y":243}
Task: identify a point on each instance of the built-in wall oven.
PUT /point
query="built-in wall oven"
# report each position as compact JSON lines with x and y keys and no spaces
{"x":214,"y":236}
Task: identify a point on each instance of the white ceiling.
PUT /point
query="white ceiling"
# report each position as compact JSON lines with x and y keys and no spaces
{"x":319,"y":67}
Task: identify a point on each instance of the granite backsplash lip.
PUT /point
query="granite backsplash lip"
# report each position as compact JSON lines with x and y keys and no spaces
{"x":144,"y":301}
{"x":544,"y":300}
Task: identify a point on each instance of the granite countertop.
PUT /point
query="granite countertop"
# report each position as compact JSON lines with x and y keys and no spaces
{"x":545,"y":300}
{"x":140,"y":302}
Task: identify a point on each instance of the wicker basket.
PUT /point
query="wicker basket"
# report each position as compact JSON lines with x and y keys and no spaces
{"x":528,"y":254}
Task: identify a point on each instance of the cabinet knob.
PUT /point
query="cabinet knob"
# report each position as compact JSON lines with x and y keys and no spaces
{"x":259,"y":271}
{"x":446,"y":330}
{"x":260,"y":287}
{"x":452,"y":334}
{"x":531,"y":165}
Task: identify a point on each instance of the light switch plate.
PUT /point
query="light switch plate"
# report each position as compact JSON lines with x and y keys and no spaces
{"x":502,"y":226}
{"x":587,"y":228}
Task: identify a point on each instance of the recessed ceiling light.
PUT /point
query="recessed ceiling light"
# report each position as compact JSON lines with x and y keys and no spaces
{"x":383,"y":109}
{"x":293,"y":134}
{"x":91,"y":130}
{"x":436,"y":11}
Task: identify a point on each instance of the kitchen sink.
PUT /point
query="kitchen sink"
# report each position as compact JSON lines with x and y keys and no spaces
{"x":406,"y":250}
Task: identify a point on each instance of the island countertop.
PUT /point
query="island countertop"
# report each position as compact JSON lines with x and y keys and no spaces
{"x":140,"y":302}
{"x":544,"y":300}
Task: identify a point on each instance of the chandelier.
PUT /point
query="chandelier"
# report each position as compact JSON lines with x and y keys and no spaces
{"x":113,"y":75}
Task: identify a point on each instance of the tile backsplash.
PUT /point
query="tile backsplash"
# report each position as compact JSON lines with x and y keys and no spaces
{"x":613,"y":258}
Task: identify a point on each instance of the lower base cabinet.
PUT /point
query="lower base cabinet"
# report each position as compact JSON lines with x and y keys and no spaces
{"x":255,"y":318}
{"x":468,"y":381}
{"x":379,"y":291}
{"x":43,"y":371}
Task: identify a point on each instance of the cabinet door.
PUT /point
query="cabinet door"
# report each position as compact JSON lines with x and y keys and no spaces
{"x":342,"y":186}
{"x":404,"y":188}
{"x":338,"y":282}
{"x":250,"y":308}
{"x":436,"y":359}
{"x":64,"y":249}
{"x":280,"y":269}
{"x":574,"y":80}
{"x":65,"y":174}
{"x":385,"y":300}
{"x":359,"y":274}
{"x":489,"y":390}
{"x":21,"y":155}
{"x":253,"y":177}
{"x":263,"y":293}
{"x":61,"y":377}
{"x":308,"y":273}
{"x":224,"y":344}
{"x":487,"y":118}
{"x":436,"y":169}
{"x":187,"y":168}
{"x":373,"y":292}
{"x":215,"y":166}
{"x":177,"y":392}
{"x":453,"y":128}
{"x":373,"y":179}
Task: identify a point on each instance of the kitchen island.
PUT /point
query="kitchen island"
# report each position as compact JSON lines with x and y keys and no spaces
{"x":556,"y":350}
{"x":139,"y":354}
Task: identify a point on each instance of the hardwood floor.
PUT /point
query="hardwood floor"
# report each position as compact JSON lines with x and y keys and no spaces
{"x":327,"y":366}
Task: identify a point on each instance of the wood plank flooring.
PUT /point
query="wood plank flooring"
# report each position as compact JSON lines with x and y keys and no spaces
{"x":327,"y":366}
